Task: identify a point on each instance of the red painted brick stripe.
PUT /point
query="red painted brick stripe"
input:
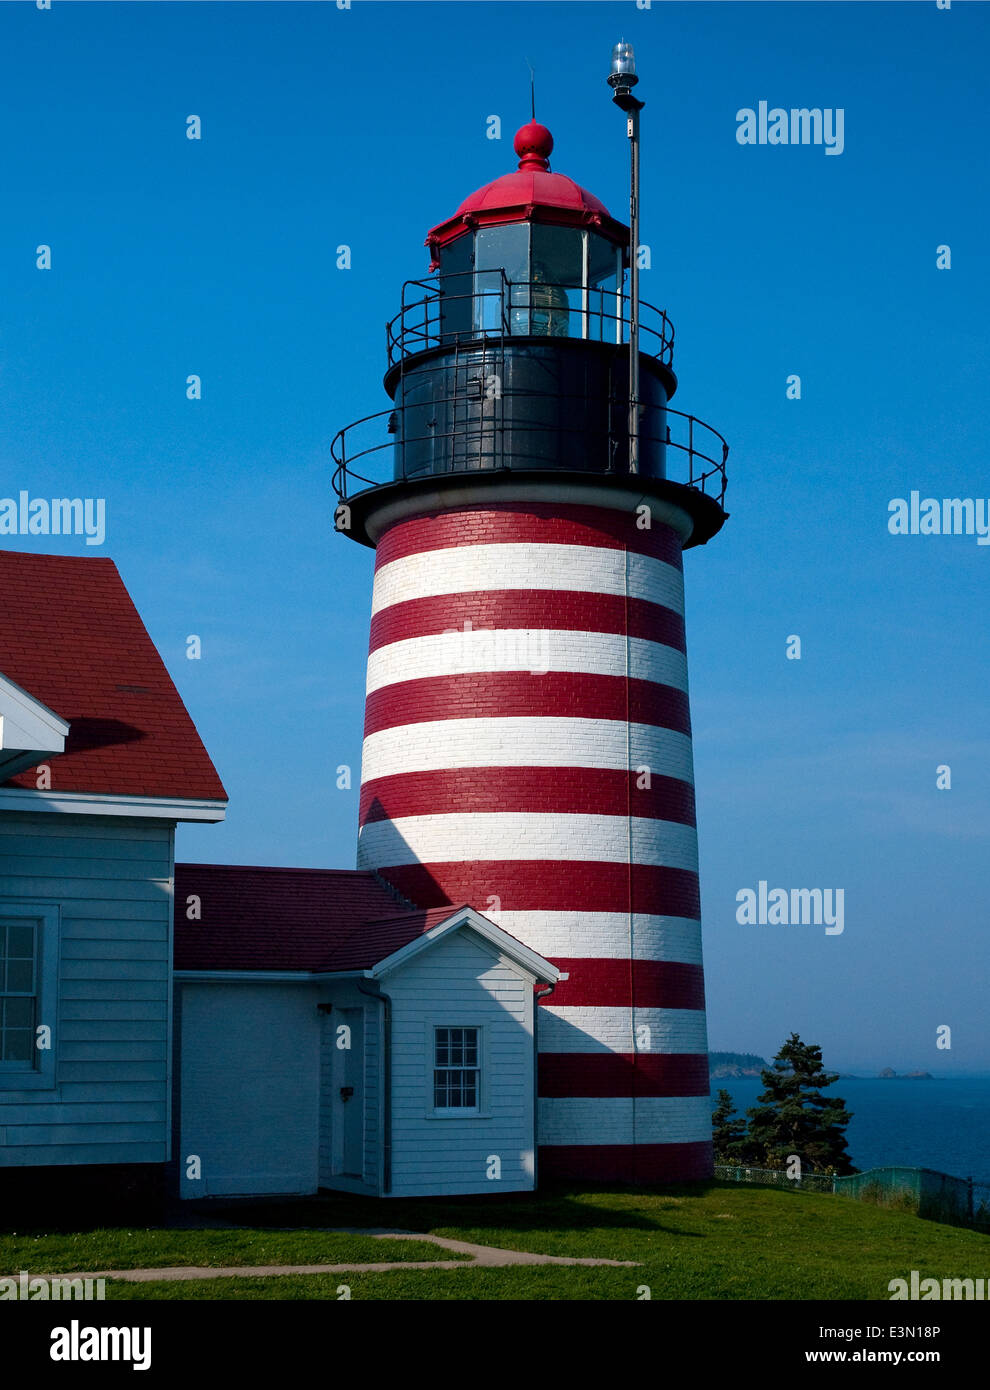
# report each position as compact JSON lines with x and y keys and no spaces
{"x":562,"y":610}
{"x":639,"y":1163}
{"x":607,"y":1074}
{"x":643,"y":984}
{"x":508,"y":694}
{"x":559,"y":885}
{"x":592,"y":790}
{"x":546,"y":523}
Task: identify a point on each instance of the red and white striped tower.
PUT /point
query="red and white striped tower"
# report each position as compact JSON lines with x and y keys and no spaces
{"x":527,"y":737}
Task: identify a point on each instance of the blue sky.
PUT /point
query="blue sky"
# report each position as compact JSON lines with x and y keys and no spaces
{"x":367,"y":126}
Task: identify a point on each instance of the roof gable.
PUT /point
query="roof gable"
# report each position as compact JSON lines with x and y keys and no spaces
{"x":467,"y":919}
{"x":73,"y":638}
{"x":28,"y":729}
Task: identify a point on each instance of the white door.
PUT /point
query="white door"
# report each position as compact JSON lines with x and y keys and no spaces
{"x":348,"y":1096}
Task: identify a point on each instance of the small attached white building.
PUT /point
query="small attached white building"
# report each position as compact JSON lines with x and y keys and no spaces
{"x":396,"y":1059}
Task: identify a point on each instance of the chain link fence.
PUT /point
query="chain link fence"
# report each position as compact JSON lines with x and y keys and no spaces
{"x":923,"y":1191}
{"x":932,"y":1195}
{"x":775,"y":1177}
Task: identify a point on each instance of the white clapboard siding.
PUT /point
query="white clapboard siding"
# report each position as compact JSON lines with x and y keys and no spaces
{"x":112,"y":882}
{"x":114,"y":1150}
{"x":101,"y":1073}
{"x":461,"y":981}
{"x":250,"y":1088}
{"x":136,"y":990}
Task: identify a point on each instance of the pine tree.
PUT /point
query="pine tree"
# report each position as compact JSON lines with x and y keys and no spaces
{"x":793,"y":1117}
{"x":728,"y":1130}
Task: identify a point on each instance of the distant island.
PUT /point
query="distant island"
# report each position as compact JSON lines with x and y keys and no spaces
{"x":723,"y":1064}
{"x":888,"y":1074}
{"x":735,"y":1064}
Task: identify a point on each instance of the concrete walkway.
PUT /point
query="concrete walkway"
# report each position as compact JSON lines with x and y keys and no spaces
{"x":473,"y":1257}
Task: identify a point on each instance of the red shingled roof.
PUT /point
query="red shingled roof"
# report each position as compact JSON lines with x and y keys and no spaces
{"x":256,"y":918}
{"x":72,"y":638}
{"x":527,"y":194}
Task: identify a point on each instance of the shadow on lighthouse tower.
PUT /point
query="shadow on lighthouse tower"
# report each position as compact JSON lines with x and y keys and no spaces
{"x":527,"y":734}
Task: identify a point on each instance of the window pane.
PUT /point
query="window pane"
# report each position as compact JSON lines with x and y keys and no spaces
{"x":455,"y":285}
{"x":504,"y":248}
{"x":556,"y":281}
{"x":20,"y":976}
{"x":557,"y":255}
{"x":603,"y":306}
{"x":499,"y":249}
{"x":18,"y":1013}
{"x":16,"y":1046}
{"x":20,"y":942}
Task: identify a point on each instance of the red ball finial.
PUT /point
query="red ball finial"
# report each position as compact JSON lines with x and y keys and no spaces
{"x":533,"y":144}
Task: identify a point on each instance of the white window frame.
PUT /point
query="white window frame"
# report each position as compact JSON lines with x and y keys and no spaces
{"x":457,"y":1112}
{"x":41,"y":1074}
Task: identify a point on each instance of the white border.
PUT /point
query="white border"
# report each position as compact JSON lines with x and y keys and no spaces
{"x":107,"y":804}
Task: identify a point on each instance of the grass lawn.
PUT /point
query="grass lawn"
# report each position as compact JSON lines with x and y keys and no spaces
{"x":137,"y":1249}
{"x":706,"y":1241}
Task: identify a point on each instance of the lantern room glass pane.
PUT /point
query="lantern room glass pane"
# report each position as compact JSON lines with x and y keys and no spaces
{"x":604,"y":306}
{"x":498,"y":250}
{"x":555,"y":294}
{"x":456,"y":262}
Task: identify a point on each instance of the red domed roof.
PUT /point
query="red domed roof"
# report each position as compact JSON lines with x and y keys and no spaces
{"x":530,"y":193}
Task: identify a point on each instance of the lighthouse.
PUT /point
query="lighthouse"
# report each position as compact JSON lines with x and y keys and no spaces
{"x":527,"y":744}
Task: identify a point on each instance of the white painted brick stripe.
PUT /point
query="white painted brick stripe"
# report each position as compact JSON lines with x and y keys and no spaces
{"x":609,"y":1120}
{"x":605,"y":935}
{"x":527,"y":565}
{"x":570,"y":1028}
{"x":525,"y":649}
{"x":526,"y":741}
{"x":462,"y":837}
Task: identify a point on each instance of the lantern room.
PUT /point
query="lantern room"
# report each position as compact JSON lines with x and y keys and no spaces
{"x":513,"y":356}
{"x":531,"y":254}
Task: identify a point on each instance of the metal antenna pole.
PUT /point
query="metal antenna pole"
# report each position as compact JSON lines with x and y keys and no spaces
{"x":632,"y":129}
{"x":622,"y":79}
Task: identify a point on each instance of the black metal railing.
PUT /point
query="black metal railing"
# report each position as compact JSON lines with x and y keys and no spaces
{"x":476,"y":444}
{"x":487,"y":304}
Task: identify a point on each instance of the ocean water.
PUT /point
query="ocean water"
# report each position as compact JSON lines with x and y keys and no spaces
{"x":942,"y":1124}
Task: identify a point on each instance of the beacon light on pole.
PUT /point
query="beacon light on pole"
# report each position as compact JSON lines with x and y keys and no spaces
{"x":623,"y":73}
{"x":622,"y":79}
